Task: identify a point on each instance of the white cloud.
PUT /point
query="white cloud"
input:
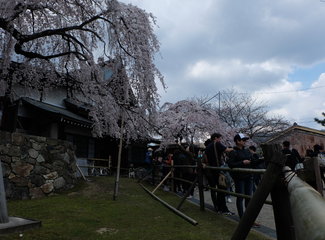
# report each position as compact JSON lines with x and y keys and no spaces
{"x":234,"y":68}
{"x":320,"y":81}
{"x":253,"y":46}
{"x":296,"y":105}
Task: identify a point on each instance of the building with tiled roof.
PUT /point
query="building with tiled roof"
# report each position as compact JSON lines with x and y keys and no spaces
{"x":300,"y":138}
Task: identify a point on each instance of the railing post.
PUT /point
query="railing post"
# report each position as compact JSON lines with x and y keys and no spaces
{"x":275,"y":159}
{"x":153,"y":174}
{"x":318,"y":179}
{"x":172,"y":177}
{"x":3,"y":204}
{"x":282,"y":211}
{"x":311,"y":174}
{"x":199,"y":170}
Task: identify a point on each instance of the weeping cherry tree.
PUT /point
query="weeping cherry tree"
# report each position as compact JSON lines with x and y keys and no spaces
{"x":191,"y":122}
{"x":53,"y":44}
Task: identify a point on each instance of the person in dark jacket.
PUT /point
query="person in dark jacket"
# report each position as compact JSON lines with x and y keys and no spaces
{"x":292,"y":155}
{"x":319,"y":152}
{"x":241,"y":157}
{"x":213,"y":153}
{"x":259,"y":164}
{"x":185,"y":157}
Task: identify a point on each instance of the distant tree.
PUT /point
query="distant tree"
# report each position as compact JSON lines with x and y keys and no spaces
{"x":321,"y":122}
{"x":49,"y":44}
{"x":188,"y":121}
{"x":248,"y":115}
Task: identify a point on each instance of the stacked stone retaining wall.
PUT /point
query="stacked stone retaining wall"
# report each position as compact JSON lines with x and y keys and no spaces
{"x":34,"y":166}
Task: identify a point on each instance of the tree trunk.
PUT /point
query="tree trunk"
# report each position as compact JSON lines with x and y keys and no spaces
{"x":117,"y":179}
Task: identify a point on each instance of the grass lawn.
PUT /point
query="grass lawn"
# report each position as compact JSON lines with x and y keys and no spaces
{"x":89,"y":212}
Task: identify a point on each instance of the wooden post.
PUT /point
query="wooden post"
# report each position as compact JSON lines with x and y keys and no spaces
{"x":117,"y":179}
{"x":318,"y":179}
{"x":110,"y":162}
{"x":275,"y":159}
{"x":311,"y":173}
{"x":172,"y":177}
{"x":153,"y":173}
{"x":199,"y":170}
{"x":3,"y":204}
{"x":282,"y":211}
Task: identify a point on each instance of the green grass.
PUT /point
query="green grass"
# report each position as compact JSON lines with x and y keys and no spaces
{"x":89,"y":209}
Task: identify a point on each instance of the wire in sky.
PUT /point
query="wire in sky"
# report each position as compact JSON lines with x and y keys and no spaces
{"x":307,"y":121}
{"x":289,"y":91}
{"x":257,"y":92}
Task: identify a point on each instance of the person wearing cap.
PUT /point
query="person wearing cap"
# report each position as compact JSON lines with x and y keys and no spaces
{"x":241,"y":157}
{"x":213,"y":153}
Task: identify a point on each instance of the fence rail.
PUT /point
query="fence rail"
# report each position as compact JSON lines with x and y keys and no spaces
{"x":101,"y":170}
{"x":299,"y":210}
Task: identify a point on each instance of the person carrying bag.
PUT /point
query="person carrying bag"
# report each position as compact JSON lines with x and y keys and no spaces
{"x":215,"y":178}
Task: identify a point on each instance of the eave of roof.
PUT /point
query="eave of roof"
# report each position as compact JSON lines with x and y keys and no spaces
{"x":66,"y":115}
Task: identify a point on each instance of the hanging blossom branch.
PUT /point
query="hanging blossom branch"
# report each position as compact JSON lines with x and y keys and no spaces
{"x":61,"y":36}
{"x":189,"y":120}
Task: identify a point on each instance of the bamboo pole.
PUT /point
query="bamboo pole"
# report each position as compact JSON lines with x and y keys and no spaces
{"x":242,"y":170}
{"x":179,"y":213}
{"x":182,"y":180}
{"x":81,"y":173}
{"x":167,"y":175}
{"x":238,"y":194}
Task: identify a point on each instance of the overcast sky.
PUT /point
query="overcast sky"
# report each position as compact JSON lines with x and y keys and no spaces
{"x":274,"y":50}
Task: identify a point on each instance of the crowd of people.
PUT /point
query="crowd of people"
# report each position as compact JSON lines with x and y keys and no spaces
{"x":215,"y":154}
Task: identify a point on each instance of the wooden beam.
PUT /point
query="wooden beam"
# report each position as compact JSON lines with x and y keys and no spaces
{"x":308,"y":209}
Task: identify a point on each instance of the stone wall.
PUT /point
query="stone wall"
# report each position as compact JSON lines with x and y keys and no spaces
{"x":35,"y":167}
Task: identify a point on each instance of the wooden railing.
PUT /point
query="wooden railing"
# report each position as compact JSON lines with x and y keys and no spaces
{"x":97,"y":166}
{"x":299,"y":210}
